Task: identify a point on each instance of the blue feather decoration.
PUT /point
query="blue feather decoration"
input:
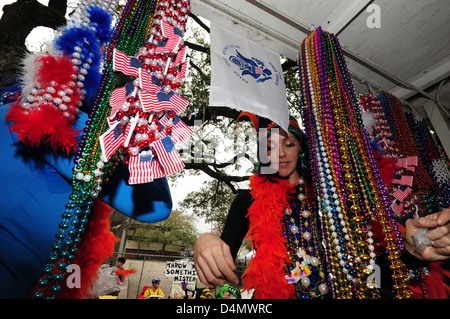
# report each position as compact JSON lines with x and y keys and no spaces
{"x":102,"y":20}
{"x":90,"y":41}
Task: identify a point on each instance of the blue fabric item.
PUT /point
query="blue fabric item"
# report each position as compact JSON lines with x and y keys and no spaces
{"x":34,"y":191}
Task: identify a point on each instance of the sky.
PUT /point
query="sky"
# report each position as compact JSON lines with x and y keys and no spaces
{"x":182,"y":187}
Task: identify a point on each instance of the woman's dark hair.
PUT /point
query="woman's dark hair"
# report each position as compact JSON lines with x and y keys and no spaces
{"x":303,"y":156}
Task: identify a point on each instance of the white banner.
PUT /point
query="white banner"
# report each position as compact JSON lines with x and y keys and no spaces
{"x":247,"y":77}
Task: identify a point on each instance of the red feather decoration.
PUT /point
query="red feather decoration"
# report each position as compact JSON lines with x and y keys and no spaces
{"x":125,"y":272}
{"x":266,"y":271}
{"x":46,"y":117}
{"x":387,"y":166}
{"x":48,"y":126}
{"x":96,"y":246}
{"x":57,"y":69}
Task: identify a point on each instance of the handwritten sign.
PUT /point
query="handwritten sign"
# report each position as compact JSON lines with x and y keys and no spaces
{"x":181,"y":271}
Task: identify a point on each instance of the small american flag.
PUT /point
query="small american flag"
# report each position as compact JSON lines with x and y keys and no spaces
{"x":168,"y":45}
{"x":140,"y":167}
{"x":152,"y":101}
{"x":130,"y":129}
{"x":111,"y":140}
{"x":162,"y":101}
{"x":183,"y":69}
{"x":402,"y":192}
{"x":168,"y":156}
{"x":180,"y":131}
{"x":397,"y":207}
{"x":403,"y":180}
{"x":118,"y":98}
{"x":181,"y":56}
{"x":409,"y":162}
{"x":168,"y":31}
{"x":121,"y":93}
{"x":174,"y":38}
{"x":126,"y":64}
{"x":157,"y":169}
{"x":178,"y":103}
{"x":149,"y":81}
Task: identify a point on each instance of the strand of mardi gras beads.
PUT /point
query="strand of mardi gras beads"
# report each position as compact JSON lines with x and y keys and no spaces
{"x":316,"y":139}
{"x":341,"y":93}
{"x":306,"y":270}
{"x":428,"y":153}
{"x":309,"y":125}
{"x":334,"y":124}
{"x":356,"y":213}
{"x":336,"y":224}
{"x":85,"y":185}
{"x":350,"y":271}
{"x":385,"y":214}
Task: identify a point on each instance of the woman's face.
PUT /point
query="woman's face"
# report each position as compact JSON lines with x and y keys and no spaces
{"x":282,"y":150}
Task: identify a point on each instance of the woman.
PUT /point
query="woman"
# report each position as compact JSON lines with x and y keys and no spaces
{"x":291,"y":264}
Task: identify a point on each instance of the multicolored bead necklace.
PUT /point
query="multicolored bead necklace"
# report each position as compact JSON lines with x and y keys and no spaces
{"x":403,"y":136}
{"x":428,"y":153}
{"x":306,"y":270}
{"x":345,"y":174}
{"x":382,"y":135}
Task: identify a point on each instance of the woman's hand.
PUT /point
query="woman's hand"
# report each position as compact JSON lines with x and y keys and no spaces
{"x":213,"y":261}
{"x":438,"y":227}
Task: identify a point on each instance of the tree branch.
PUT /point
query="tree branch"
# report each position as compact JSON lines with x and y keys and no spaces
{"x":197,"y":68}
{"x":227,"y":179}
{"x":197,"y":47}
{"x":200,"y":22}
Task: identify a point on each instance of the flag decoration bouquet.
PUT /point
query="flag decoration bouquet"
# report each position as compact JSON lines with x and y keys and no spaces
{"x":144,"y":119}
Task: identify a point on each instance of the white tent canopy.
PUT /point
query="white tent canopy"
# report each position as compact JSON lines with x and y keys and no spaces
{"x":400,"y":46}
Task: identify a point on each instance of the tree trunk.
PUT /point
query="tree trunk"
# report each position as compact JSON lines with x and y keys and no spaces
{"x":18,"y":20}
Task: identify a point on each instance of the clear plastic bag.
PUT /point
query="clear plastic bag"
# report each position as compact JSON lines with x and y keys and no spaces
{"x":107,"y":282}
{"x":421,"y":240}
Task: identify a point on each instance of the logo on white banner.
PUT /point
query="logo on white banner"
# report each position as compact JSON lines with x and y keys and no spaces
{"x":249,"y":68}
